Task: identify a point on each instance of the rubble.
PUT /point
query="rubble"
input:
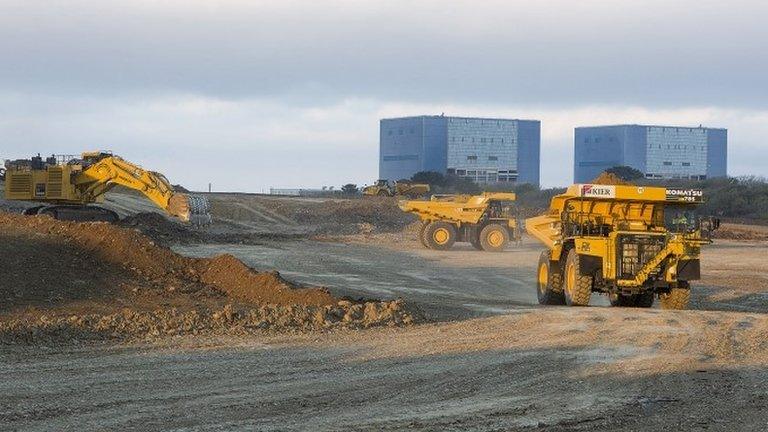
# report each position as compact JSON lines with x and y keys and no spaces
{"x":95,"y":280}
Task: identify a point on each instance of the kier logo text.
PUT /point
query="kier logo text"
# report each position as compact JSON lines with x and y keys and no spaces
{"x":598,"y":191}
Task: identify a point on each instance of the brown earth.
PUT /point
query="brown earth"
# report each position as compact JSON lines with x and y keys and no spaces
{"x":62,"y":278}
{"x":733,"y":231}
{"x":166,"y":231}
{"x":257,"y":219}
{"x":317,"y":215}
{"x":606,"y":178}
{"x":530,"y":368}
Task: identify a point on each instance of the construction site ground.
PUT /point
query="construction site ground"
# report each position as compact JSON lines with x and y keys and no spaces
{"x":480,"y":355}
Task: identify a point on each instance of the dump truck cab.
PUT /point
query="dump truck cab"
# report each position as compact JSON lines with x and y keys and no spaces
{"x":633,"y":243}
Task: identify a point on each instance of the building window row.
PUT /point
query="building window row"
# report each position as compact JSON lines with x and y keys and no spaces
{"x":401,"y":131}
{"x":685,"y":164}
{"x":485,"y":176}
{"x":481,"y":121}
{"x":400,"y":158}
{"x":675,"y":176}
{"x":482,"y":140}
{"x":474,"y":158}
{"x":677,"y":147}
{"x":596,"y":140}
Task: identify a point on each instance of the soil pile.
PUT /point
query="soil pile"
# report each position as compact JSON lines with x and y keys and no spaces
{"x":742,"y":232}
{"x":606,"y":178}
{"x":159,"y":228}
{"x":168,"y":232}
{"x":353,"y":216}
{"x":98,"y":280}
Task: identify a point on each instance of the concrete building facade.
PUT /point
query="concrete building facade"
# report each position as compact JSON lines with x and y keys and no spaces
{"x":659,"y":152}
{"x":485,"y":150}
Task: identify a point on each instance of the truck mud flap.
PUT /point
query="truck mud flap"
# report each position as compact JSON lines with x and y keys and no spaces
{"x":689,"y":270}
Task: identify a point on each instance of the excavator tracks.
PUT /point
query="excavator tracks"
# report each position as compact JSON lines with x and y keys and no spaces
{"x":75,"y":213}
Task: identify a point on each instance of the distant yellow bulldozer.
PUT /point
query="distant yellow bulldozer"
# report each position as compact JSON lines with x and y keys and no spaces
{"x":387,"y":188}
{"x":632,"y":243}
{"x":487,"y":221}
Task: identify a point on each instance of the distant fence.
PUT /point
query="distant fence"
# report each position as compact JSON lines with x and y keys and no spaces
{"x":308,"y":192}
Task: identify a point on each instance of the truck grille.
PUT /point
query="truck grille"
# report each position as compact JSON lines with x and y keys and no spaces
{"x":635,"y":251}
{"x":55,"y":182}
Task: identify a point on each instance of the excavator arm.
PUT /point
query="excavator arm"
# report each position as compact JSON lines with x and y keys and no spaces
{"x":102,"y":171}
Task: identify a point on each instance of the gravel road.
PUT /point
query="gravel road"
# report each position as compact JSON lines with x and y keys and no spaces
{"x":543,"y":369}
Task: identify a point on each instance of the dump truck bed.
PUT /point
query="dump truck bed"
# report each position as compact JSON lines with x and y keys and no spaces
{"x":461,"y":209}
{"x":610,"y":201}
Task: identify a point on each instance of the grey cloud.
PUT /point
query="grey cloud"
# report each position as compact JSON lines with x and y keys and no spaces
{"x":552,"y":53}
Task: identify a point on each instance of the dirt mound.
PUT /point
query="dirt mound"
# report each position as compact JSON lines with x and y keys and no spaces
{"x":228,"y":320}
{"x":159,"y":228}
{"x":742,"y":232}
{"x":606,"y":178}
{"x":92,"y":271}
{"x":340,"y":216}
{"x":167,"y":232}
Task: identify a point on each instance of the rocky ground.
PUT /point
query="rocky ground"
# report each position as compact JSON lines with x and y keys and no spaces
{"x":83,"y":281}
{"x":128,"y":345}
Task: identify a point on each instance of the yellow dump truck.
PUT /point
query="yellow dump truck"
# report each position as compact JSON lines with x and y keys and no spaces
{"x":387,"y":188}
{"x":632,"y":243}
{"x":487,"y":221}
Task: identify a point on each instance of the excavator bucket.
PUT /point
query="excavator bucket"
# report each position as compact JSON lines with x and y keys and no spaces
{"x":194,"y":209}
{"x":200,"y":210}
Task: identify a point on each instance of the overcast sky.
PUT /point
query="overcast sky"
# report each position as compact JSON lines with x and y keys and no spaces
{"x":256,"y":94}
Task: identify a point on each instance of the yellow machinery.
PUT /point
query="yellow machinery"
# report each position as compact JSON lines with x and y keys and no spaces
{"x":66,"y":185}
{"x":386,"y":188}
{"x":632,"y":243}
{"x":487,"y":221}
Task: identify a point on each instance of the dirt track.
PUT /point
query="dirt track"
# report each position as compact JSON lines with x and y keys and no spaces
{"x":495,"y":361}
{"x":553,"y":369}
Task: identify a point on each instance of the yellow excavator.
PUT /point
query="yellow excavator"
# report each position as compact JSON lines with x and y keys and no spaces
{"x":68,"y":186}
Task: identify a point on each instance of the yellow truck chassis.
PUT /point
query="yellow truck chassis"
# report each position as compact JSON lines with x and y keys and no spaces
{"x":632,"y":243}
{"x":487,"y":221}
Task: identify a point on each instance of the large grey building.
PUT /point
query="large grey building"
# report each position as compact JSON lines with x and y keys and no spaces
{"x":485,"y":150}
{"x":659,"y":152}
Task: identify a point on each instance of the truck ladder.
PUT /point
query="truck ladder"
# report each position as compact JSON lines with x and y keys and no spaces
{"x":645,"y":272}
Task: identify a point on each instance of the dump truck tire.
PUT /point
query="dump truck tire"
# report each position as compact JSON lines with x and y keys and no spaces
{"x":382,"y":193}
{"x":440,"y":235}
{"x":677,"y":298}
{"x":493,"y":238}
{"x":577,"y":287}
{"x":422,"y":239}
{"x":549,"y":289}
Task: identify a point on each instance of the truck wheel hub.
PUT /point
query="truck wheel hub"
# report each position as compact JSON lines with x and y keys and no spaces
{"x":441,"y":236}
{"x":570,"y":278}
{"x":495,"y":238}
{"x":543,"y":277}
